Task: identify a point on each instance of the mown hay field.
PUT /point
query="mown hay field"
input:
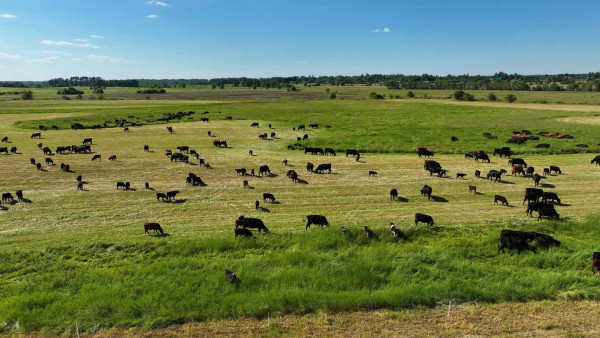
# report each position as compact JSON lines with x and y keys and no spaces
{"x":80,"y":256}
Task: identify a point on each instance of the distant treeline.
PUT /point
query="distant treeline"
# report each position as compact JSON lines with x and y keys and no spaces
{"x":498,"y":81}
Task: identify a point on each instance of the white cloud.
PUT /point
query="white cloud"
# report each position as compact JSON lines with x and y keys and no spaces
{"x":7,"y":16}
{"x":80,"y":40}
{"x":158,"y":3}
{"x":46,"y":59}
{"x":76,"y":59}
{"x":384,"y":30}
{"x":65,"y":43}
{"x":56,"y":52}
{"x":302,"y":62}
{"x":151,"y":16}
{"x":93,"y":36}
{"x":9,"y":56}
{"x":106,"y":58}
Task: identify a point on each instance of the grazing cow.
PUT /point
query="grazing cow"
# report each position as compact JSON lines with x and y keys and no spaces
{"x":32,"y":161}
{"x":472,"y":189}
{"x":543,"y":145}
{"x":184,"y":149}
{"x":263,"y":136}
{"x":36,"y":135}
{"x":5,"y":139}
{"x":460,"y":175}
{"x":315,"y":219}
{"x":547,"y":212}
{"x":47,"y":151}
{"x":352,"y":152}
{"x":546,"y":171}
{"x":13,"y":150}
{"x":147,"y":186}
{"x":152,"y":226}
{"x":554,"y":169}
{"x":535,"y":206}
{"x":429,"y":164}
{"x":511,"y":240}
{"x":495,"y":174}
{"x":518,"y":170}
{"x":423,"y":219}
{"x":126,"y":129}
{"x":550,"y":196}
{"x":366,"y":231}
{"x":285,"y":162}
{"x":38,"y":166}
{"x":87,"y":140}
{"x":146,"y":148}
{"x":424,"y":152}
{"x":501,"y":199}
{"x":161,"y":196}
{"x":49,"y":161}
{"x":204,"y":119}
{"x":19,"y":194}
{"x":112,"y":158}
{"x":291,"y":147}
{"x":532,"y":195}
{"x":329,"y":151}
{"x":253,"y":223}
{"x":305,"y":137}
{"x":79,"y":178}
{"x":79,"y":185}
{"x":256,"y":204}
{"x":170,"y":130}
{"x":241,"y":171}
{"x":536,"y":179}
{"x":220,"y":143}
{"x":301,"y":127}
{"x":596,"y":159}
{"x":596,"y":264}
{"x":454,"y":139}
{"x":515,"y":161}
{"x":393,"y":194}
{"x":372,"y":173}
{"x":263,"y":170}
{"x":323,"y":167}
{"x":530,"y":171}
{"x":245,"y":184}
{"x":504,"y":151}
{"x":469,"y":155}
{"x":426,"y":191}
{"x":122,"y":185}
{"x":293,"y":176}
{"x":171,"y":195}
{"x":439,"y":171}
{"x":480,"y":155}
{"x":242,"y":232}
{"x":62,"y":167}
{"x":40,"y":145}
{"x":254,"y":124}
{"x":309,"y":150}
{"x":7,"y":197}
{"x":268,"y":196}
{"x":272,"y":134}
{"x":310,"y":167}
{"x":477,"y":173}
{"x":97,"y":157}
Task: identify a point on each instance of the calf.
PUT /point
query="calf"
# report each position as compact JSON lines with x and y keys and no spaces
{"x":146,"y":148}
{"x":152,"y":226}
{"x":372,"y":173}
{"x":556,"y":170}
{"x":97,"y":157}
{"x":315,"y":219}
{"x":112,"y":158}
{"x":161,"y":196}
{"x":501,"y":199}
{"x":147,"y":186}
{"x":7,"y":197}
{"x":460,"y":175}
{"x":393,"y":194}
{"x":546,"y":171}
{"x":171,"y":195}
{"x":242,"y":232}
{"x":240,"y":171}
{"x":472,"y":189}
{"x":426,"y":191}
{"x":422,"y":218}
{"x":245,"y":184}
{"x":270,"y":197}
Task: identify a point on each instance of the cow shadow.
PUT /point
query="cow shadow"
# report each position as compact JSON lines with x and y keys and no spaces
{"x":13,"y":202}
{"x":478,"y":193}
{"x":439,"y":199}
{"x":26,"y":200}
{"x":131,"y":189}
{"x":263,"y":209}
{"x":250,"y":187}
{"x":301,"y":181}
{"x":547,"y":185}
{"x":275,"y":202}
{"x":151,"y":189}
{"x":190,"y":163}
{"x":179,"y":201}
{"x":563,"y":204}
{"x":505,"y":182}
{"x":402,"y":199}
{"x":3,"y":208}
{"x":272,"y":175}
{"x":164,"y":234}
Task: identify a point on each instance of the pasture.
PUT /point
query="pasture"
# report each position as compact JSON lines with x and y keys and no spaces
{"x":71,"y":256}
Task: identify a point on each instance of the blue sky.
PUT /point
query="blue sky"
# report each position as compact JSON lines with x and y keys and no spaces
{"x":41,"y":39}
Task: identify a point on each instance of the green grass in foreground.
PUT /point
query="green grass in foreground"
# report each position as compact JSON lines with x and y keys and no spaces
{"x":171,"y":280}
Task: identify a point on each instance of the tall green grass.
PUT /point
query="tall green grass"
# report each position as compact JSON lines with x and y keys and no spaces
{"x":169,"y":280}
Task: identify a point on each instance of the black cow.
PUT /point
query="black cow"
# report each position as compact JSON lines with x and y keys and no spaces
{"x":19,"y":194}
{"x":596,"y":159}
{"x":516,"y":160}
{"x":423,"y":219}
{"x":112,"y":158}
{"x":123,"y":185}
{"x":318,"y":151}
{"x":253,"y":223}
{"x":171,"y":195}
{"x":308,"y":150}
{"x":263,"y":170}
{"x":550,"y":196}
{"x":424,"y":152}
{"x":477,"y":173}
{"x":310,"y":167}
{"x":87,"y":140}
{"x":254,"y":124}
{"x":554,"y":169}
{"x":533,"y":194}
{"x":152,"y":226}
{"x":535,"y":206}
{"x":268,"y":196}
{"x":4,"y":150}
{"x":315,"y":219}
{"x":372,"y":173}
{"x":530,"y":171}
{"x":329,"y":151}
{"x":323,"y":167}
{"x":426,"y":191}
{"x":547,"y":212}
{"x":504,"y":151}
{"x":242,"y":232}
{"x":511,"y":239}
{"x":240,"y":171}
{"x":495,"y":174}
{"x":543,"y":145}
{"x":7,"y":197}
{"x":393,"y":194}
{"x":32,"y":161}
{"x":536,"y":179}
{"x":161,"y":196}
{"x":352,"y":152}
{"x":97,"y":157}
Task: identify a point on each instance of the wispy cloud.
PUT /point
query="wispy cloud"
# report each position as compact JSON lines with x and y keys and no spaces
{"x":65,"y":43}
{"x":303,"y":62}
{"x":46,"y":59}
{"x":384,"y":30}
{"x":107,"y":58}
{"x":77,"y":59}
{"x":93,"y":36}
{"x":151,"y":16}
{"x":9,"y":56}
{"x":7,"y":16}
{"x":80,"y":40}
{"x":55,"y":52}
{"x":158,"y":3}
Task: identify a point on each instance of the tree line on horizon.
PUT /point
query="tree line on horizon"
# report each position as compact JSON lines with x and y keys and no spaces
{"x":498,"y":81}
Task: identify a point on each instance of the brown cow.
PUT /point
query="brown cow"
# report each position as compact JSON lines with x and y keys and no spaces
{"x":501,"y":199}
{"x":472,"y":189}
{"x":47,"y":151}
{"x":518,"y":170}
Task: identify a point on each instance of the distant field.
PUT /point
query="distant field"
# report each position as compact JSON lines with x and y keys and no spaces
{"x":81,"y":257}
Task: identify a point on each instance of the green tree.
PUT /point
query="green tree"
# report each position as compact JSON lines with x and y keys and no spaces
{"x":27,"y":95}
{"x":510,"y":98}
{"x":410,"y":94}
{"x":332,"y":94}
{"x":492,"y":97}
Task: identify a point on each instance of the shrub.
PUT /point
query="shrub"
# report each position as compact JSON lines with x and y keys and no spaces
{"x":98,"y":90}
{"x":152,"y":91}
{"x":69,"y":91}
{"x":27,"y":95}
{"x":376,"y":96}
{"x":460,"y":95}
{"x":492,"y":97}
{"x":510,"y":98}
{"x":410,"y":94}
{"x":332,"y":94}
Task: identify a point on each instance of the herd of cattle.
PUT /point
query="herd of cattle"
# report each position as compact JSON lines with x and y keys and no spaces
{"x":542,"y":202}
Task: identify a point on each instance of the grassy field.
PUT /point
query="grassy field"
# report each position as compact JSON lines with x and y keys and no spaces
{"x":81,"y":257}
